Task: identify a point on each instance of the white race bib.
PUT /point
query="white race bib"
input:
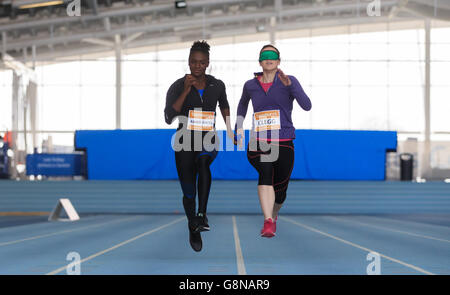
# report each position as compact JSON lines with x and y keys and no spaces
{"x":201,"y":121}
{"x":267,"y":120}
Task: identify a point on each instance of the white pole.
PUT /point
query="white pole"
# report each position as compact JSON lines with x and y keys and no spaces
{"x":426,"y":171}
{"x":118,"y":47}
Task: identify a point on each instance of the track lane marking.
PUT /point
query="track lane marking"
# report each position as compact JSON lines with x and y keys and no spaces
{"x":56,"y":271}
{"x":389,"y":229}
{"x":64,"y":231}
{"x":416,"y":268}
{"x":237,"y":244}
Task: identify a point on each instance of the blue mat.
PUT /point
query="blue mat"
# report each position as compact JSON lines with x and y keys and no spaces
{"x":319,"y":155}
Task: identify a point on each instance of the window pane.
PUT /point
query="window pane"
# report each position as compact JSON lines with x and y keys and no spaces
{"x":440,"y":35}
{"x":5,"y":100}
{"x":170,"y":71}
{"x":59,"y":107}
{"x":294,"y":49}
{"x":440,"y":52}
{"x":301,"y":71}
{"x":368,"y":73}
{"x":101,"y":72}
{"x":440,"y":108}
{"x":406,"y":111}
{"x":67,"y":73}
{"x":368,"y":51}
{"x":139,"y":107}
{"x":139,"y":73}
{"x":406,"y":73}
{"x":329,"y":51}
{"x":330,"y":73}
{"x":330,"y":108}
{"x":368,"y":108}
{"x":406,"y":51}
{"x":439,"y":73}
{"x":98,"y":107}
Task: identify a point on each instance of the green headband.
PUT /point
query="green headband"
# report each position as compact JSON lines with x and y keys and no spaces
{"x":268,"y":54}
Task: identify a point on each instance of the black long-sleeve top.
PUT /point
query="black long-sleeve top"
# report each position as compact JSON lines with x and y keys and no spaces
{"x":213,"y":93}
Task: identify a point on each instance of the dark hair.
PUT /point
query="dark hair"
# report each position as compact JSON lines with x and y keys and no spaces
{"x":200,"y":46}
{"x":270,"y":45}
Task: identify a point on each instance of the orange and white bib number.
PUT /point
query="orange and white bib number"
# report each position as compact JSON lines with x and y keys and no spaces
{"x":201,"y":121}
{"x":267,"y":120}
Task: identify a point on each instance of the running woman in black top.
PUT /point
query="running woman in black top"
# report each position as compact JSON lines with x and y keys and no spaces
{"x":193,"y":100}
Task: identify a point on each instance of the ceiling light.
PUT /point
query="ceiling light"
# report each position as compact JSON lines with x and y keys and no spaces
{"x":180,"y":4}
{"x":35,"y":4}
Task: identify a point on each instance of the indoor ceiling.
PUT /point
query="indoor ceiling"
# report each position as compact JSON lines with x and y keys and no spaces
{"x":29,"y":30}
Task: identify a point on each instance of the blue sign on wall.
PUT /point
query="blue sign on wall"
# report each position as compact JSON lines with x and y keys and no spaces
{"x":56,"y":164}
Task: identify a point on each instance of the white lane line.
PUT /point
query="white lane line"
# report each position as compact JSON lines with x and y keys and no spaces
{"x":237,"y":244}
{"x":63,"y":232}
{"x":407,"y":222}
{"x":389,"y":229}
{"x":416,"y":268}
{"x":72,"y":264}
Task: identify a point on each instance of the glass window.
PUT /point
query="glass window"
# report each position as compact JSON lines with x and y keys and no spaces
{"x":329,"y":73}
{"x":67,"y":73}
{"x":368,"y":80}
{"x":98,"y":72}
{"x":140,"y":107}
{"x":294,"y":49}
{"x":5,"y":100}
{"x":406,"y":108}
{"x":59,"y":107}
{"x":368,"y":73}
{"x":138,"y":72}
{"x":406,"y":73}
{"x":330,"y":108}
{"x":368,"y":108}
{"x":440,"y":73}
{"x":98,"y":107}
{"x":440,"y":107}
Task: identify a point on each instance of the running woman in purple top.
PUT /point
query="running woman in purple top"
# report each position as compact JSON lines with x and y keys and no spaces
{"x":271,"y":149}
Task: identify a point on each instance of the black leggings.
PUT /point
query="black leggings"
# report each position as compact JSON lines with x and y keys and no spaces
{"x":276,"y":173}
{"x":193,"y":166}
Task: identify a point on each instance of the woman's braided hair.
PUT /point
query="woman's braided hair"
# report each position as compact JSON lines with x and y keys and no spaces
{"x":201,"y":46}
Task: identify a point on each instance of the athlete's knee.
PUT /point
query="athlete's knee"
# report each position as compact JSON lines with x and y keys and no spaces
{"x":280,"y":197}
{"x":203,"y":162}
{"x":188,"y":189}
{"x":265,"y":179}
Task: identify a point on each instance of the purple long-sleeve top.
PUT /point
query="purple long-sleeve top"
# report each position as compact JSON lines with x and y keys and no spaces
{"x":279,"y":97}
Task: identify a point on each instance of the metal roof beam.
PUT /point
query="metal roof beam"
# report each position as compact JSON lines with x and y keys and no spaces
{"x":187,"y":22}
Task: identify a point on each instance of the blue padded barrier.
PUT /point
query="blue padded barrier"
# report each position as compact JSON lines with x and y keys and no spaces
{"x":319,"y":155}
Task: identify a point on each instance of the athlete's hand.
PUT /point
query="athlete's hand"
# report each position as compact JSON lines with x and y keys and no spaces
{"x":284,"y":78}
{"x":240,"y":138}
{"x":188,"y":82}
{"x":230,"y":134}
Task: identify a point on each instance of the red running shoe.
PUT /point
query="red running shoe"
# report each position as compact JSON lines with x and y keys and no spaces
{"x":268,"y":229}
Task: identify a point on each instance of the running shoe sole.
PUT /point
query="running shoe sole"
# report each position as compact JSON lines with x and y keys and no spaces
{"x":201,"y":228}
{"x":196,"y":245}
{"x":267,"y":235}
